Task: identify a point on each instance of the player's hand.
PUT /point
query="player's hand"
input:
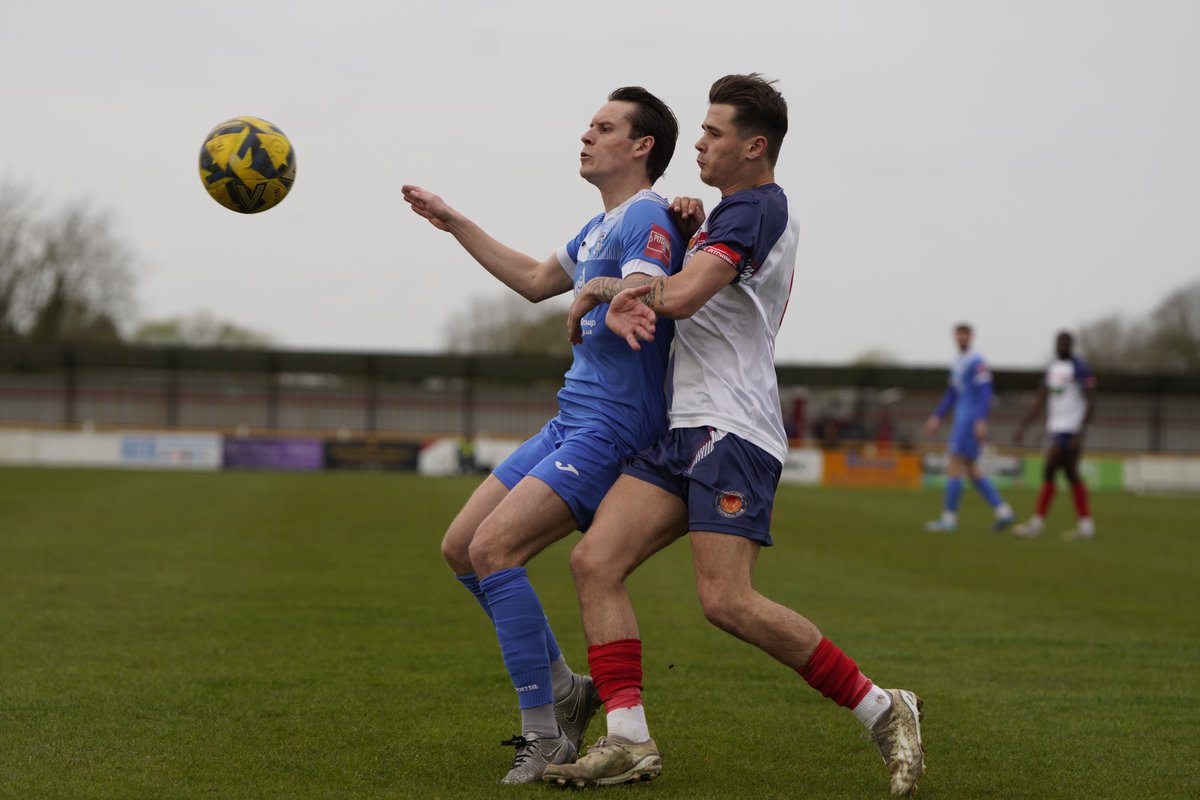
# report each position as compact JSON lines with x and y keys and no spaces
{"x":426,"y":204}
{"x":981,"y":429}
{"x":931,"y":425}
{"x":689,"y":215}
{"x":584,"y":302}
{"x":630,"y":318}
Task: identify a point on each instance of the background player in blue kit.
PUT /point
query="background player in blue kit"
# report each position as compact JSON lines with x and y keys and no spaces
{"x":969,"y":395}
{"x":1068,"y":393}
{"x":612,"y":405}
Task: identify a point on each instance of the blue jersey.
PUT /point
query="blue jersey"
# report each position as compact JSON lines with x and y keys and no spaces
{"x":969,"y":390}
{"x":610,"y":385}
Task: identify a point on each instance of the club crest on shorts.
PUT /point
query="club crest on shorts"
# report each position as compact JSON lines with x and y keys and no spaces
{"x":731,"y":504}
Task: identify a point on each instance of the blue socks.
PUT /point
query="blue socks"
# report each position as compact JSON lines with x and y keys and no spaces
{"x":988,"y":490}
{"x":472,"y":583}
{"x":525,"y":638}
{"x":954,"y":488}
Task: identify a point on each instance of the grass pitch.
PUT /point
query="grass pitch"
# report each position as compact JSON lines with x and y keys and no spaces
{"x":242,"y":635}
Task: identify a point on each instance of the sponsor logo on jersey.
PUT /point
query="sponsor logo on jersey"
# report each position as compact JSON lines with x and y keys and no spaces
{"x":731,"y":504}
{"x":658,"y":246}
{"x":726,"y":254}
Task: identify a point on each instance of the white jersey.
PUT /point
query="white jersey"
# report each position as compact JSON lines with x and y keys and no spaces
{"x":1066,"y":404}
{"x":723,"y":362}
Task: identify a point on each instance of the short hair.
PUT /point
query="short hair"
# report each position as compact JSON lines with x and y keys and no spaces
{"x":651,"y":117}
{"x":963,"y":326}
{"x":759,"y":108}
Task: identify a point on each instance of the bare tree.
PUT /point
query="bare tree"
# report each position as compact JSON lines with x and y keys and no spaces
{"x":875,"y":357}
{"x":16,"y":242}
{"x":199,"y":329}
{"x":1175,"y":337}
{"x":1112,"y":342}
{"x":63,"y":277}
{"x":1167,"y":340}
{"x":508,"y":323}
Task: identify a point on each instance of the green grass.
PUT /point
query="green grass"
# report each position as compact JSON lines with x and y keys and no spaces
{"x":297,"y":636}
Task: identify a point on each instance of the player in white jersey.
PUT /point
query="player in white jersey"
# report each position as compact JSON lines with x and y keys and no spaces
{"x":713,"y":475}
{"x":1068,"y":393}
{"x":610,"y":406}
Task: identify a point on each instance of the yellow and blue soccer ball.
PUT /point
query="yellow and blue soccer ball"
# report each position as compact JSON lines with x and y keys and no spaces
{"x":247,"y":165}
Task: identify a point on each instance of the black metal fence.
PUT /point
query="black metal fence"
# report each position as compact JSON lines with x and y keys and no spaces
{"x":426,"y":396}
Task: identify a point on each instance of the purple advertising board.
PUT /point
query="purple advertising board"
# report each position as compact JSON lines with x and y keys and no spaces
{"x":266,"y":453}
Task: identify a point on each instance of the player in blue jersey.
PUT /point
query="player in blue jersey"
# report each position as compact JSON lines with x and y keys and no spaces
{"x":969,"y":396}
{"x":611,"y":405}
{"x":712,"y":477}
{"x":1068,"y":394}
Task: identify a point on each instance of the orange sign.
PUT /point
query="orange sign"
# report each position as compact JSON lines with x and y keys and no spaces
{"x":849,"y":468}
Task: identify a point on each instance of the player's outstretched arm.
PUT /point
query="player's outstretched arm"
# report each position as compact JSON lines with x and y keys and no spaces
{"x":630,"y":318}
{"x":527,"y":277}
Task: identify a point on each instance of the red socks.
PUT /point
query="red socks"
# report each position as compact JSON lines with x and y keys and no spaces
{"x":617,"y":670}
{"x":1044,"y":498}
{"x":835,"y":675}
{"x":1081,"y":500}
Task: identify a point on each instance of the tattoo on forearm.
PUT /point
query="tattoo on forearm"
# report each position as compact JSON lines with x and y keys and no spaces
{"x":658,"y":290}
{"x":606,"y":289}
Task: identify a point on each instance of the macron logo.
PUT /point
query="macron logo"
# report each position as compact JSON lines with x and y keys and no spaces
{"x":567,"y":468}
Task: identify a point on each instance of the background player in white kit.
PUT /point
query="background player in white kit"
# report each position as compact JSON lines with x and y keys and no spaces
{"x":1068,"y":393}
{"x":713,"y":475}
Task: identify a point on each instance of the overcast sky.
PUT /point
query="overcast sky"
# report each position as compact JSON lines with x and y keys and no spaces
{"x":1022,"y":165}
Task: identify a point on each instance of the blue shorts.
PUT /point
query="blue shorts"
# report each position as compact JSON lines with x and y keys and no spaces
{"x":727,"y":483}
{"x":579,"y":464}
{"x":963,"y":442}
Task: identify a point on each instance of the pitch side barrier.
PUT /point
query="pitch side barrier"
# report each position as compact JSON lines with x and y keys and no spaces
{"x":861,"y":465}
{"x":379,"y":410}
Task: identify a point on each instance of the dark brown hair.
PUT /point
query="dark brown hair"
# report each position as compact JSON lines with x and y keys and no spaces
{"x":760,"y":109}
{"x":651,"y":117}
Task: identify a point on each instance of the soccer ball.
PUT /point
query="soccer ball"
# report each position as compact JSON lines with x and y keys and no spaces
{"x":247,"y":164}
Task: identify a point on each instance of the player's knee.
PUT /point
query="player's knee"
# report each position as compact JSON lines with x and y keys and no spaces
{"x":584,"y":565}
{"x":590,"y":566}
{"x":455,"y":551}
{"x":723,"y":608}
{"x":487,"y":553}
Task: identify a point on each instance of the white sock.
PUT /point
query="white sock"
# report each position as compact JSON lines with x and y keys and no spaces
{"x":562,"y":679}
{"x":629,"y":724}
{"x":1003,"y":510}
{"x":949,"y":518}
{"x":874,"y":705}
{"x":1036,"y":522}
{"x":1087,"y":527}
